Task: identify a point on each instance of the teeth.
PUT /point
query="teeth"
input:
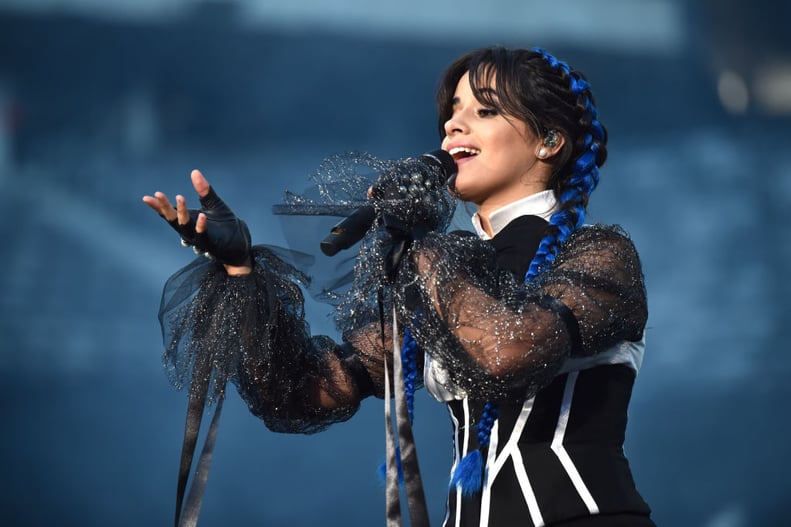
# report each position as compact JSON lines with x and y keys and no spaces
{"x":464,"y":150}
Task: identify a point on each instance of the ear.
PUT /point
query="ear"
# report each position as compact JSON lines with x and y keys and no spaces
{"x":551,"y":144}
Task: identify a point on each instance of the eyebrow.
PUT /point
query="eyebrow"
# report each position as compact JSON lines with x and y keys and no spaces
{"x":491,"y":93}
{"x":488,"y":91}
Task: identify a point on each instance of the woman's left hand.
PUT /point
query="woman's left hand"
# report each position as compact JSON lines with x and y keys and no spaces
{"x":214,"y":229}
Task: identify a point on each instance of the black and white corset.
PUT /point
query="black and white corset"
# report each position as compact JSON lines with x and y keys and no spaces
{"x":553,"y":456}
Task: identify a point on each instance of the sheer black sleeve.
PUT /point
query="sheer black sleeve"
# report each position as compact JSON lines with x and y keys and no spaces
{"x":253,"y":331}
{"x":497,"y":336}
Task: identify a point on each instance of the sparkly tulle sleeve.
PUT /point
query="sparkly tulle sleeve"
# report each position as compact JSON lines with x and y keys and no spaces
{"x":497,"y":337}
{"x":251,"y":330}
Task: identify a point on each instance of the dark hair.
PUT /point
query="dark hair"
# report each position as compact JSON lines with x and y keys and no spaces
{"x":545,"y":93}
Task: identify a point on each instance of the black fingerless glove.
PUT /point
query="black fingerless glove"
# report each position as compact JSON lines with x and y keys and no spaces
{"x":226,"y":238}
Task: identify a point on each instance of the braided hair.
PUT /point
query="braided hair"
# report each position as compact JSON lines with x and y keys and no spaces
{"x":551,"y":98}
{"x":573,"y":182}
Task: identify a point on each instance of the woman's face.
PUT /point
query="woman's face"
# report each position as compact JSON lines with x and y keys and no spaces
{"x":496,"y":155}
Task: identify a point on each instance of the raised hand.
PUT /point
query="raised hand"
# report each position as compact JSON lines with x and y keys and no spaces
{"x":214,"y":229}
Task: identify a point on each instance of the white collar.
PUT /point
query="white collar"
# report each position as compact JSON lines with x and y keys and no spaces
{"x":541,"y":204}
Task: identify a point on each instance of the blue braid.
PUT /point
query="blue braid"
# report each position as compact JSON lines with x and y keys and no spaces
{"x":554,"y":62}
{"x":490,"y":414}
{"x":581,"y":183}
{"x":409,"y":366}
{"x":409,"y":350}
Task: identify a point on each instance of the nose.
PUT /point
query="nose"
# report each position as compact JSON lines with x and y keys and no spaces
{"x":455,"y":125}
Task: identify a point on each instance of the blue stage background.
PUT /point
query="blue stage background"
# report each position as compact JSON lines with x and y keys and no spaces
{"x":97,"y":111}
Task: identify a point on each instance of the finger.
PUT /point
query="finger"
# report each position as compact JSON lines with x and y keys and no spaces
{"x":199,"y":182}
{"x":161,"y":205}
{"x":181,"y":209}
{"x":200,"y":223}
{"x":151,"y":202}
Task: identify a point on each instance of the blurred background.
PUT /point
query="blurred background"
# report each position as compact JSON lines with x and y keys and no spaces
{"x":103,"y":102}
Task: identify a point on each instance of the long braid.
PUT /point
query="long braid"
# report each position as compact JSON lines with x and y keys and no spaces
{"x":572,"y":184}
{"x":469,"y":472}
{"x":573,"y":190}
{"x":409,"y":351}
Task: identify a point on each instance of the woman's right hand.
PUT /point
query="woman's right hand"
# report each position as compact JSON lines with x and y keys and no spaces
{"x":214,"y":229}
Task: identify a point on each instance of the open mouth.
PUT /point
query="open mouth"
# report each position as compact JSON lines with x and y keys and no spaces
{"x":463,"y":152}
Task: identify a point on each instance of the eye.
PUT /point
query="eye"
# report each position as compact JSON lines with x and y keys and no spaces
{"x":487,"y":112}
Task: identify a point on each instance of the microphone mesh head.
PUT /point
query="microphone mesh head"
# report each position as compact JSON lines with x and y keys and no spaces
{"x":445,"y":161}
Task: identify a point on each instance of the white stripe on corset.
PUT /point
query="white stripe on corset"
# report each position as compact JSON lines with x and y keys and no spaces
{"x":495,"y":462}
{"x":460,"y":454}
{"x":527,"y":490}
{"x":486,"y":495}
{"x":455,"y":459}
{"x":624,"y":352}
{"x":560,"y":450}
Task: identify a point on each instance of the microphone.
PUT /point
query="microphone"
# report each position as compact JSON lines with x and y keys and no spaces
{"x":436,"y":164}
